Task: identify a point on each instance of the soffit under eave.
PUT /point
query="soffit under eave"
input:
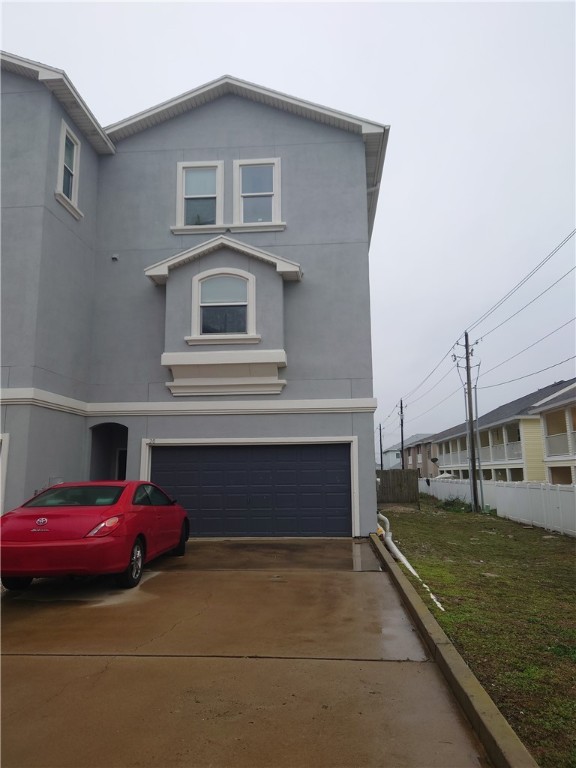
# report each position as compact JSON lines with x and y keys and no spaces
{"x":159,"y":272}
{"x":57,"y":82}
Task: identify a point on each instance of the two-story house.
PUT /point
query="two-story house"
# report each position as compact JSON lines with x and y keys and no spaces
{"x":185,"y":298}
{"x":510,"y":439}
{"x":558,"y":424}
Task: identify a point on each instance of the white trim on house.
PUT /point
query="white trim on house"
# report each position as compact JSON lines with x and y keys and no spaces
{"x":4,"y":446}
{"x":147,"y":444}
{"x":50,"y":400}
{"x":238,"y":215}
{"x":159,"y":272}
{"x":70,"y":203}
{"x":237,"y":372}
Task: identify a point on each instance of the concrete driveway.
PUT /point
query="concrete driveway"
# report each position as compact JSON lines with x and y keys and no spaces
{"x":280,"y":654}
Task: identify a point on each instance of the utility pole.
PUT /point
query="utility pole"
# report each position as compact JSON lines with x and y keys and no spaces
{"x":381,"y":460}
{"x":471,"y":436}
{"x":402,"y":432}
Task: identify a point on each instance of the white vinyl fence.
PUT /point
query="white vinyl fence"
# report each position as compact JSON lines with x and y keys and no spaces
{"x":546,"y":506}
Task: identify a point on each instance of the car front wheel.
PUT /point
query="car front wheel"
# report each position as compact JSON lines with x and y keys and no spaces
{"x":16,"y":582}
{"x":132,"y":575}
{"x":180,"y":548}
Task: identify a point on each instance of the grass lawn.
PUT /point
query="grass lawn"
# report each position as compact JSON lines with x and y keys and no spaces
{"x":509,"y":594}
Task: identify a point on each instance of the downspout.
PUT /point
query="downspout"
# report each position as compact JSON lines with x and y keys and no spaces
{"x":395,"y":552}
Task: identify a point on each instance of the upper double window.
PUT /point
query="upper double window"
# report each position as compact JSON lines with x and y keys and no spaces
{"x":257,"y":191}
{"x":255,"y":196}
{"x":200,"y":193}
{"x":68,"y":171}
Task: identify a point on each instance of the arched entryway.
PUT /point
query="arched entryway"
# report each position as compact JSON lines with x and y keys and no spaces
{"x":109,"y":450}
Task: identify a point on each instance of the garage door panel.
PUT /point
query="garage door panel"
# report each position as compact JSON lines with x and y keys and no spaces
{"x":259,"y":490}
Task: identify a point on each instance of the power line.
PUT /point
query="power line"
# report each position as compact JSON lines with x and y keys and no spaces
{"x":521,"y":283}
{"x":435,"y":406}
{"x":530,"y":345}
{"x":490,"y":386}
{"x":526,"y":305}
{"x":431,"y":388}
{"x":425,"y":379}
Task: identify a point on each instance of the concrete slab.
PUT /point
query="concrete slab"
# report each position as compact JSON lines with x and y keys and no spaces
{"x":272,"y":654}
{"x":250,"y":713}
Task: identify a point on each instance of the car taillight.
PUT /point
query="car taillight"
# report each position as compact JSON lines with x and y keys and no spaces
{"x":107,"y":527}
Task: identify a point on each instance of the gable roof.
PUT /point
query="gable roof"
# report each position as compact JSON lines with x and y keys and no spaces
{"x":566,"y":396}
{"x":159,"y":272}
{"x":56,"y":80}
{"x":420,"y":437}
{"x":522,"y":406}
{"x":374,"y":135}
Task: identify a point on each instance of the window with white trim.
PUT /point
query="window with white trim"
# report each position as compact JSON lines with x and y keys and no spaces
{"x":257,"y":192}
{"x":200,"y":195}
{"x":223,"y":304}
{"x":223,"y":307}
{"x":68,"y":171}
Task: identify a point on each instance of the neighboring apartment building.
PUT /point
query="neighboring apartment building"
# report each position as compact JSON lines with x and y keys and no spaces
{"x":558,"y":424}
{"x":511,"y":439}
{"x":185,"y":298}
{"x":418,"y":454}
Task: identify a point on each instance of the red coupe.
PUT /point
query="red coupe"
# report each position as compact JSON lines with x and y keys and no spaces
{"x":89,"y":529}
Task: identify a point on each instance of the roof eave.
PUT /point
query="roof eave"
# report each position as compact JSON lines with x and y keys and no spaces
{"x":59,"y":84}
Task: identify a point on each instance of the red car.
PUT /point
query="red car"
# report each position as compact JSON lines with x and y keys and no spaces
{"x":89,"y":529}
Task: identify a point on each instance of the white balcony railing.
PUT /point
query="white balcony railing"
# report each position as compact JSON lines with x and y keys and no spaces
{"x":514,"y":450}
{"x":445,"y":460}
{"x":485,"y":453}
{"x":557,"y":445}
{"x":499,"y":452}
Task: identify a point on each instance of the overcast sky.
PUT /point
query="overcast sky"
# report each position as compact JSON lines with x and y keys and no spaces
{"x":479,"y":178}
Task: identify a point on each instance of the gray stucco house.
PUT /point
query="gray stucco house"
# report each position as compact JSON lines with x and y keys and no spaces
{"x":185,"y":297}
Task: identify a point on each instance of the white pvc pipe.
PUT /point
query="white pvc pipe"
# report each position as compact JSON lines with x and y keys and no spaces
{"x":395,"y":552}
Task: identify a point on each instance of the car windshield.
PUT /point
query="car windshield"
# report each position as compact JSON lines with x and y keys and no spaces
{"x":83,"y":496}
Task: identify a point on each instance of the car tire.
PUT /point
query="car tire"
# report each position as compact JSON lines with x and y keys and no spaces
{"x":131,"y":576}
{"x":16,"y":582}
{"x":180,"y":548}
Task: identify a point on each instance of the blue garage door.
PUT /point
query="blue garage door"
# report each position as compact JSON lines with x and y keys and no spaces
{"x":259,"y":490}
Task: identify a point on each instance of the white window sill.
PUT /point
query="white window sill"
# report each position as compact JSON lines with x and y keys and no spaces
{"x":216,"y":338}
{"x":69,"y":205}
{"x":192,"y":230}
{"x":222,"y":228}
{"x":278,"y":226}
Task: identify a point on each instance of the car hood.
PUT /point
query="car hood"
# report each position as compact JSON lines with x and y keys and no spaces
{"x":52,"y":523}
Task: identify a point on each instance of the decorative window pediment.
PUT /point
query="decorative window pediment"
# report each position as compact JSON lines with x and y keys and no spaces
{"x":159,"y":272}
{"x":223,"y":313}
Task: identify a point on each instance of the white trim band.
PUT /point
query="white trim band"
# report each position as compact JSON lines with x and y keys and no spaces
{"x":43,"y":399}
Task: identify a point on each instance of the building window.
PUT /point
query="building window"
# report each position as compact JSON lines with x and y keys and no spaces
{"x":223,"y":304}
{"x":223,"y":308}
{"x":200,"y":195}
{"x":68,"y":171}
{"x":257,"y":192}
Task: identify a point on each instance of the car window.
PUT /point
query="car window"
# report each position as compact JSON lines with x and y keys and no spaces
{"x":158,"y":497}
{"x":72,"y":496}
{"x":141,"y":496}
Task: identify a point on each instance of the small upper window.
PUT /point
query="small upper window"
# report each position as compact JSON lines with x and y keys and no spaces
{"x":199,"y":195}
{"x":68,"y":171}
{"x":257,"y":191}
{"x":223,"y":304}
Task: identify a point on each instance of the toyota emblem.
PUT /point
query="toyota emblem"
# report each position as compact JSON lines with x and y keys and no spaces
{"x":41,"y":521}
